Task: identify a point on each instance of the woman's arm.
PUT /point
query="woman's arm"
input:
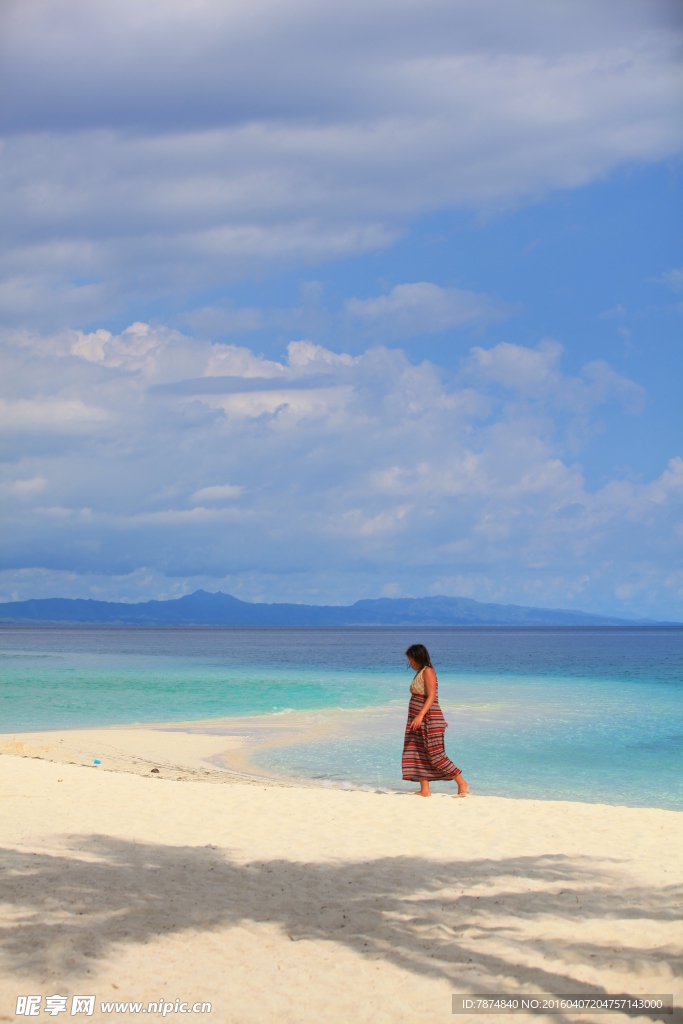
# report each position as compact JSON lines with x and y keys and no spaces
{"x":429,"y":677}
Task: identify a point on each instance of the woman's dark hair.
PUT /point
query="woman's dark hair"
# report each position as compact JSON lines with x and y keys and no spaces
{"x":420,"y":654}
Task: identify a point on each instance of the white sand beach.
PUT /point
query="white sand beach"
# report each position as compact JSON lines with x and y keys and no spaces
{"x":298,"y":903}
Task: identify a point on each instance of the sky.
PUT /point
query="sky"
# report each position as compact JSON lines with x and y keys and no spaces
{"x":317,"y":303}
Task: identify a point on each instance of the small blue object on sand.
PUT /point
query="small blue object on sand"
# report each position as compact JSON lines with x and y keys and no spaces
{"x":97,"y":760}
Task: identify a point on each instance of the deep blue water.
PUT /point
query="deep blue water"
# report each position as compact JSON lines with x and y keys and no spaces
{"x":574,"y":714}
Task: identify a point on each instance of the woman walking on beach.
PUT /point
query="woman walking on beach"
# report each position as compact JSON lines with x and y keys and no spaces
{"x":424,"y":755}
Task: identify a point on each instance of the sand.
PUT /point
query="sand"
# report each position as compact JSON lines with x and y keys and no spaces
{"x":294,"y":903}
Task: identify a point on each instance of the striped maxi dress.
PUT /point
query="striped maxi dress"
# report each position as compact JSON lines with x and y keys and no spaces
{"x":424,"y":754}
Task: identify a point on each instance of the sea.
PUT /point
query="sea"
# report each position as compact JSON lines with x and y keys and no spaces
{"x":571,"y":714}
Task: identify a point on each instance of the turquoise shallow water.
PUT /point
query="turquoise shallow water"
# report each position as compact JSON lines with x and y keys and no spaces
{"x":589,"y":714}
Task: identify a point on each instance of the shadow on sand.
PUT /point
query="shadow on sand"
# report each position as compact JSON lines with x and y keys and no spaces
{"x":417,"y":914}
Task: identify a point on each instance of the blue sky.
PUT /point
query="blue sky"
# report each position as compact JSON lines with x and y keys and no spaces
{"x":319,"y":304}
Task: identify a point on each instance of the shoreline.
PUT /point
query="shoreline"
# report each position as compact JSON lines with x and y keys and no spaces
{"x":217,"y":750}
{"x":210,"y":750}
{"x":221,"y":751}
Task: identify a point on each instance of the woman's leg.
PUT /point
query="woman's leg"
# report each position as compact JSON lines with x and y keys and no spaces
{"x":424,"y":788}
{"x":462,"y":785}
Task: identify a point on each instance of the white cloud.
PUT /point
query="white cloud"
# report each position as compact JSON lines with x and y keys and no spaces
{"x":351,"y":468}
{"x":305,"y":355}
{"x":218,"y":492}
{"x":91,"y":346}
{"x":425,"y":308}
{"x":674,"y":279}
{"x":24,"y":488}
{"x":670,"y":482}
{"x":236,"y":361}
{"x":197,"y":516}
{"x":535,"y":373}
{"x":139,"y":347}
{"x":604,"y":383}
{"x":531,"y":371}
{"x":41,"y":414}
{"x":286,"y":406}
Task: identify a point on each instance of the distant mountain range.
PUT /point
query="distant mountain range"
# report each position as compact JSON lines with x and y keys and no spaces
{"x":204,"y":609}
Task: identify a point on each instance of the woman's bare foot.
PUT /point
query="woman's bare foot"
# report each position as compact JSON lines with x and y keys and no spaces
{"x":424,"y":788}
{"x":462,"y":786}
